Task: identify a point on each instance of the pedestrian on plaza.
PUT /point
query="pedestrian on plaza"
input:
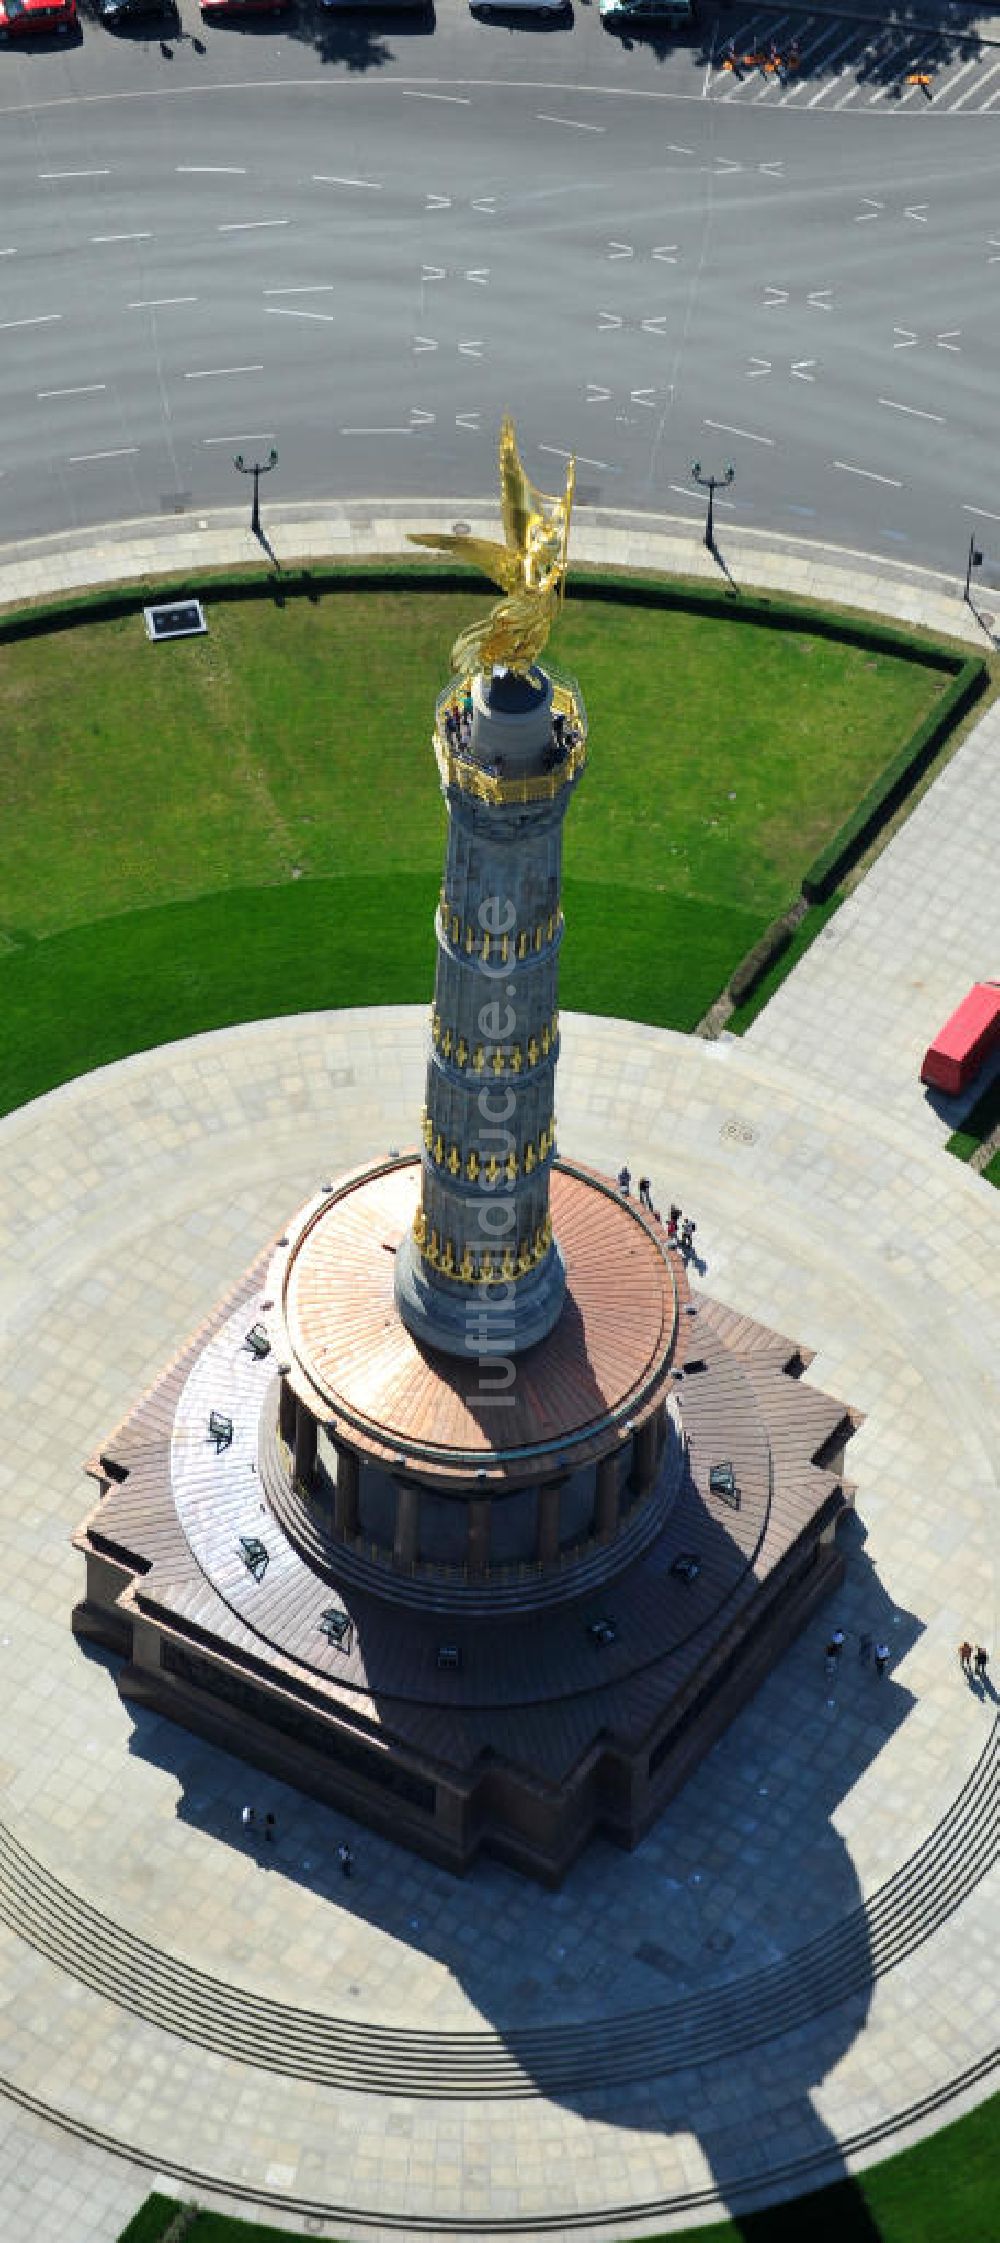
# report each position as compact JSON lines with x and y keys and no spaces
{"x":882,"y":1657}
{"x":645,"y":1194}
{"x":982,"y":1662}
{"x":346,"y":1860}
{"x":673,"y":1218}
{"x":834,"y":1648}
{"x":248,"y":1819}
{"x":839,"y":1639}
{"x":965,"y":1658}
{"x":269,"y":1828}
{"x":625,"y":1181}
{"x":688,"y":1228}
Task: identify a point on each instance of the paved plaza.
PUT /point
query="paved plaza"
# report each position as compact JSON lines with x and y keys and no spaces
{"x":827,"y":1207}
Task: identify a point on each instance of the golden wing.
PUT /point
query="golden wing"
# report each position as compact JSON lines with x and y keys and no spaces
{"x":501,"y":566}
{"x":519,"y":499}
{"x":536,"y":523}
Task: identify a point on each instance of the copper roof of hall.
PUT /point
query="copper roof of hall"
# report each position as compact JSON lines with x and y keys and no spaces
{"x":607,"y":1362}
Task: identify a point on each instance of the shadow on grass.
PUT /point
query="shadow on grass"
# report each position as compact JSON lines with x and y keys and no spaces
{"x":97,"y":993}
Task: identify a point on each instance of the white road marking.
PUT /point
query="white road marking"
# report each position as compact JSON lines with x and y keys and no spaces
{"x":80,"y":459}
{"x":957,"y":79}
{"x":655,"y":326}
{"x":773,"y":297}
{"x":207,"y":373}
{"x":773,"y":171}
{"x":758,"y":366}
{"x":862,"y":216}
{"x":332,"y":179}
{"x":289,"y":311}
{"x":620,"y":249}
{"x":261,"y":436}
{"x":917,"y":210}
{"x":229,"y":171}
{"x":415,"y":93}
{"x":800,"y":368}
{"x":681,"y":490}
{"x":946,"y":339}
{"x":724,"y":428}
{"x":606,"y":321}
{"x":914,"y":411}
{"x":121,"y":237}
{"x":480,"y":274}
{"x":106,"y":174}
{"x":596,"y":395}
{"x":156,"y":303}
{"x":907,"y":338}
{"x":433,"y":272}
{"x":978,"y":87}
{"x":674,"y":149}
{"x":667,"y":252}
{"x":250,"y":225}
{"x":869,"y":474}
{"x":438,"y":202}
{"x":580,"y":457}
{"x":8,"y":253}
{"x":573,"y":122}
{"x":816,"y":98}
{"x":488,"y":203}
{"x":314,"y":288}
{"x":419,"y":419}
{"x":45,"y":319}
{"x":424,"y":342}
{"x":645,"y":397}
{"x":983,"y":510}
{"x":85,"y":389}
{"x":473,"y":349}
{"x":467,"y":420}
{"x":819,"y":300}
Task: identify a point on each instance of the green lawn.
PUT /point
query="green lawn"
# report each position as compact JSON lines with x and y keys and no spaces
{"x":250,"y":822}
{"x":944,"y":2191}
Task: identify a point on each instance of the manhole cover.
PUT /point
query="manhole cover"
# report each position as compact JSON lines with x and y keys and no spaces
{"x":738,"y":1132}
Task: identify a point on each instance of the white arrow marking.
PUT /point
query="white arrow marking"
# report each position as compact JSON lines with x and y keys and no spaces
{"x":433,"y":272}
{"x":596,"y":395}
{"x":946,"y":340}
{"x":467,"y":420}
{"x":485,"y":202}
{"x":655,"y":326}
{"x":872,"y":211}
{"x":724,"y":164}
{"x":758,"y":366}
{"x":620,"y":249}
{"x":480,"y":274}
{"x":772,"y":171}
{"x":644,"y":397}
{"x":773,"y":296}
{"x":916,"y":210}
{"x":419,"y":419}
{"x":607,"y":320}
{"x":907,"y":337}
{"x":471,"y":349}
{"x":438,"y":202}
{"x":424,"y":342}
{"x":667,"y":252}
{"x":800,"y":368}
{"x":819,"y":301}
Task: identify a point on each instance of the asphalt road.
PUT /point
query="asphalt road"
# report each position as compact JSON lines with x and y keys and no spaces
{"x":362,"y":243}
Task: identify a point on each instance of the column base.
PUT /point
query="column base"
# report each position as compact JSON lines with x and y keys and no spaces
{"x":486,"y":1321}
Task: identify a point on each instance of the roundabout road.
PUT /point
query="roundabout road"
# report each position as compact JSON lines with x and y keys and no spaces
{"x":362,"y":243}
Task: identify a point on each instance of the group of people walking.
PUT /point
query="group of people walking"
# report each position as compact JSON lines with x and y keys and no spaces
{"x":680,"y":1229}
{"x":869,"y":1652}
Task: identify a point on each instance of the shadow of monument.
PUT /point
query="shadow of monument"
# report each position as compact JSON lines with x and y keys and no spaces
{"x":654,"y":1991}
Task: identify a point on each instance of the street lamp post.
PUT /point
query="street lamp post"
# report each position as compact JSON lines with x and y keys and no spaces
{"x":256,"y":469}
{"x":975,"y":562}
{"x":711,"y":484}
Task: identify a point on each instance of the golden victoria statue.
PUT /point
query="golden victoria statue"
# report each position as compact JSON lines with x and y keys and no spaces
{"x":530,"y":567}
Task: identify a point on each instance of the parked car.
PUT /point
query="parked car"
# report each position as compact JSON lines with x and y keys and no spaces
{"x":215,"y":8}
{"x":647,"y":15}
{"x":489,"y":8}
{"x":29,"y":19}
{"x":113,"y":12}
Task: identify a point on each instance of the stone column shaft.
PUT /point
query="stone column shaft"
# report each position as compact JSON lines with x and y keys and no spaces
{"x":345,"y":1501}
{"x":404,"y":1548}
{"x":606,"y":1506}
{"x":305,"y":1444}
{"x":547,"y":1544}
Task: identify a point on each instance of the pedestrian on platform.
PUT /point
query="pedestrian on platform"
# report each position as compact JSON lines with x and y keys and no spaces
{"x":346,"y":1860}
{"x":982,"y":1662}
{"x":625,"y":1181}
{"x":965,"y":1658}
{"x":882,"y":1657}
{"x":673,"y":1219}
{"x":645,"y":1194}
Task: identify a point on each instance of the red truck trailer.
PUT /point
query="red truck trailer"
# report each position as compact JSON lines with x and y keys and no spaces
{"x":962,"y":1046}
